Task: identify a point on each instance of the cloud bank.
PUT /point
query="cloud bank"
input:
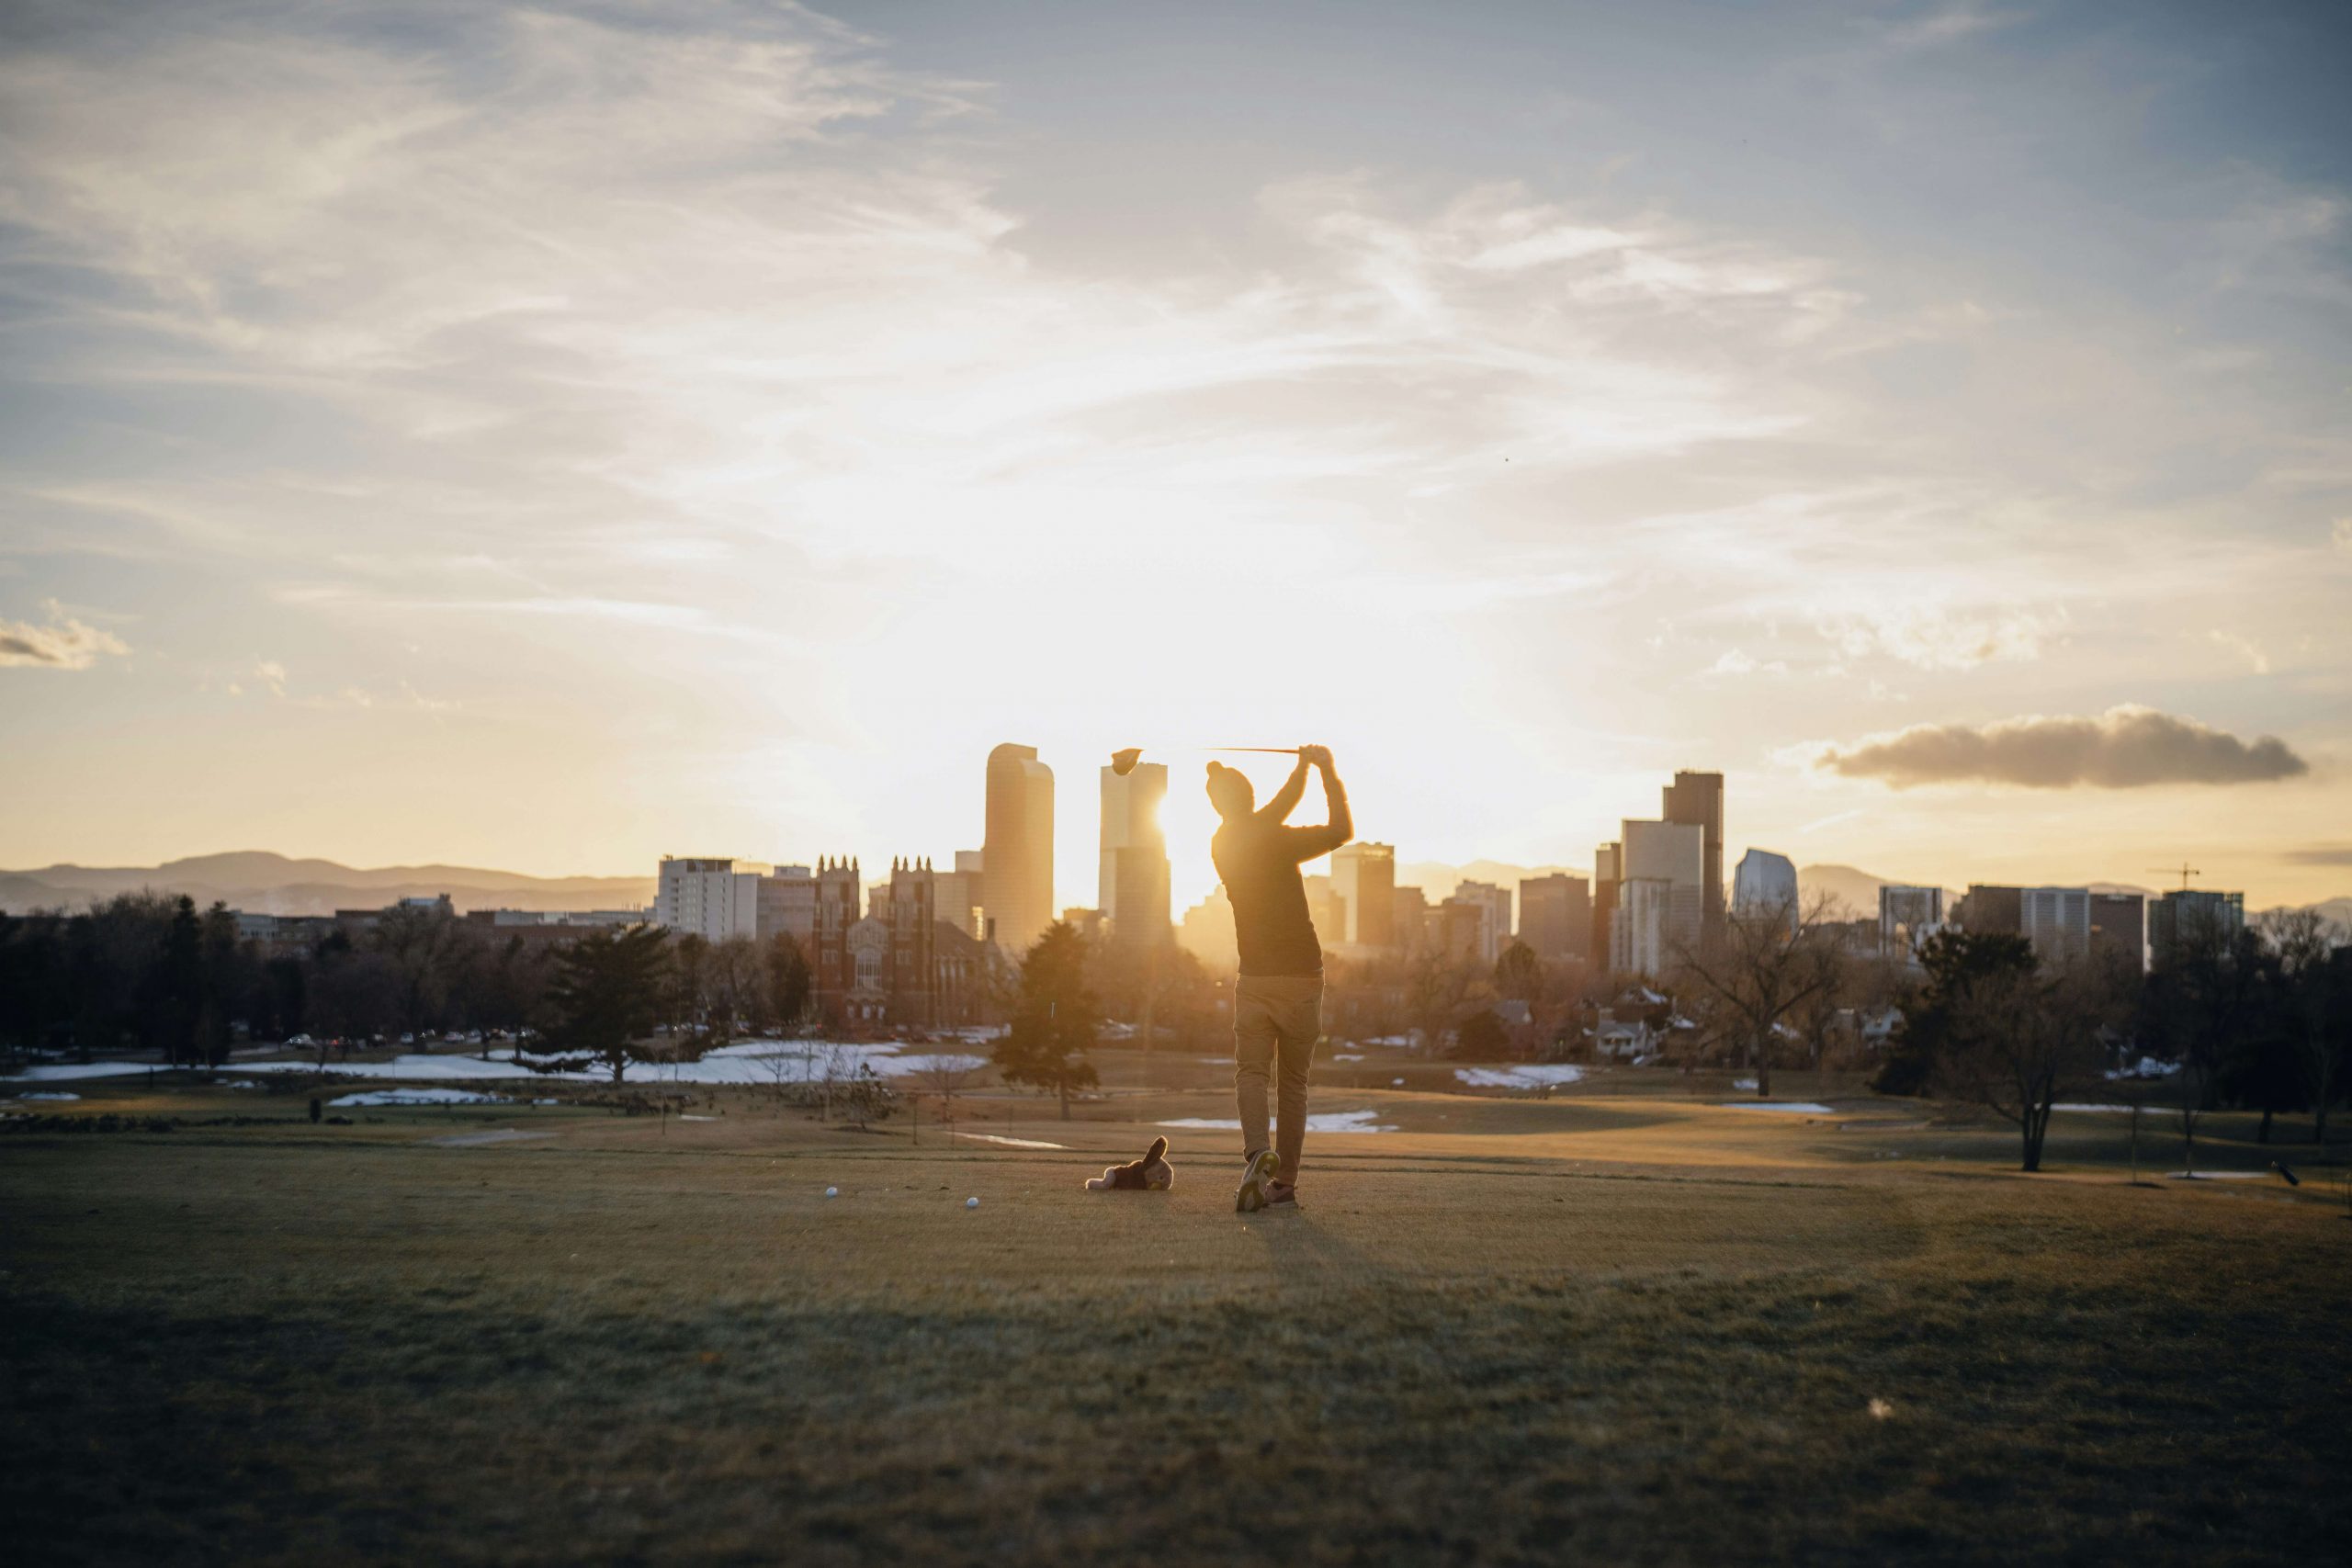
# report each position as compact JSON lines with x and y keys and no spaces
{"x":2125,"y":747}
{"x":64,"y":644}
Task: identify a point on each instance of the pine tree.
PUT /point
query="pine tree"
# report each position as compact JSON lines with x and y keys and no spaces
{"x":609,"y":989}
{"x":1053,"y":1022}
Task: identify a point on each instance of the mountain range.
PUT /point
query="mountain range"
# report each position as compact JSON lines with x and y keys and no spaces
{"x":260,"y":882}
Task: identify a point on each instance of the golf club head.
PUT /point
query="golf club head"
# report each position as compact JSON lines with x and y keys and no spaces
{"x":1124,"y":762}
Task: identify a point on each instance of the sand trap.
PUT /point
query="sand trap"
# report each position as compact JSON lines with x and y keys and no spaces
{"x":1013,"y":1143}
{"x":1532,"y":1076}
{"x":419,"y":1097}
{"x":1807,"y":1106}
{"x":1324,"y":1121}
{"x":475,"y":1140}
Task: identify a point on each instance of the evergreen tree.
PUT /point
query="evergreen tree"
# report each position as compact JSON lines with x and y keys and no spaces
{"x":610,"y":989}
{"x":1053,"y":1022}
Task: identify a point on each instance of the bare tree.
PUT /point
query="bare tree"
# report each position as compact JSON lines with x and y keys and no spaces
{"x":2306,"y":941}
{"x":944,"y":1077}
{"x":2023,"y":1037}
{"x":1771,"y":964}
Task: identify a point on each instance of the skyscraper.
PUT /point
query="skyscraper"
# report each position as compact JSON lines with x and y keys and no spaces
{"x":2057,"y":921}
{"x":1017,"y":859}
{"x":1133,"y":889}
{"x":1671,"y":857}
{"x":1494,"y":927}
{"x":2120,"y":921}
{"x":1764,"y":882}
{"x":1607,"y":873}
{"x":1696,"y":800}
{"x":1365,"y":876}
{"x":2187,"y":918}
{"x":1556,"y":916}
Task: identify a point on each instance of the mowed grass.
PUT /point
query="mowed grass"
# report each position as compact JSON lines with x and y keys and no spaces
{"x":1605,"y":1327}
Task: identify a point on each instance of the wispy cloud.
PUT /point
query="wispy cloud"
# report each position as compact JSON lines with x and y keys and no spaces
{"x":2125,"y":747}
{"x":61,"y":643}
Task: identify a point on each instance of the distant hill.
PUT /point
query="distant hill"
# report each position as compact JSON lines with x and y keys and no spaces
{"x":258,"y":881}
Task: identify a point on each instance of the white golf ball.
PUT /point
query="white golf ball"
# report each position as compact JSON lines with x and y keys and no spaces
{"x":832,"y":1192}
{"x":971,"y":1202}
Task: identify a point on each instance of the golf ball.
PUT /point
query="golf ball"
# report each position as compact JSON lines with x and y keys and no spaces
{"x":971,"y":1202}
{"x":832,"y":1192}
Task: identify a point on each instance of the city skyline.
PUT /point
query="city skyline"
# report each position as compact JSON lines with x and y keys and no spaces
{"x":552,"y":438}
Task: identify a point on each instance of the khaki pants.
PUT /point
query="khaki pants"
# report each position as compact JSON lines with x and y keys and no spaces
{"x":1276,"y":1020}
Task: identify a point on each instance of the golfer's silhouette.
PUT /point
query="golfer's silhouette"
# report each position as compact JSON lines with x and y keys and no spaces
{"x":1278,"y":1003}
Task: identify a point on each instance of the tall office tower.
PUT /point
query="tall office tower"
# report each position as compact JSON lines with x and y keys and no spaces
{"x":1556,"y":916}
{"x":1133,"y":890}
{"x":1764,"y":882}
{"x":1674,"y":853}
{"x":962,"y":895}
{"x":2187,"y":918}
{"x":1408,"y":924}
{"x":2120,"y":921}
{"x":1017,"y":861}
{"x":1608,"y":873}
{"x":2057,"y":921}
{"x":1365,"y":876}
{"x":1495,"y":929}
{"x":1696,"y":800}
{"x":1908,"y":917}
{"x":1653,"y":925}
{"x":706,"y":898}
{"x":787,"y":904}
{"x":1989,"y":911}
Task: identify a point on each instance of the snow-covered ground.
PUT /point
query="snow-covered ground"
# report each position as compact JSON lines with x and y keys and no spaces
{"x":419,"y":1097}
{"x":1321,"y":1122}
{"x":2116,"y":1110}
{"x":2217,"y":1175}
{"x":1533,"y":1075}
{"x":52,"y":1072}
{"x":49,"y":1094}
{"x":1804,"y":1105}
{"x":1013,"y":1143}
{"x":749,"y":1062}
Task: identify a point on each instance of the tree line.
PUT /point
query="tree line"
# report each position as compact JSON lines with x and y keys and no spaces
{"x":150,"y":972}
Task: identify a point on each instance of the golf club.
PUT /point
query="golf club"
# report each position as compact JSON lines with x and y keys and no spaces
{"x":1123,"y":762}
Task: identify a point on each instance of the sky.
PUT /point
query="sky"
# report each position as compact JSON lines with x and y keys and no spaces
{"x":552,"y":437}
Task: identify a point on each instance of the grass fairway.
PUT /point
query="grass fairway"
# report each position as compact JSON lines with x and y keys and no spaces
{"x":1610,"y":1326}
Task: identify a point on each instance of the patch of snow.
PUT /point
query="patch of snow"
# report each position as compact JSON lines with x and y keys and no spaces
{"x":2218,"y":1175}
{"x":547,"y":1102}
{"x":419,"y":1097}
{"x":1321,"y":1122}
{"x":749,"y":1062}
{"x":49,"y":1072}
{"x":49,"y":1094}
{"x":475,"y":1140}
{"x":1347,"y":1056}
{"x":1393,"y":1041}
{"x":1013,"y":1143}
{"x":1743,"y":1083}
{"x":682,"y":1116}
{"x":1535,"y":1074}
{"x":2146,"y":1068}
{"x":2115,"y":1109}
{"x":1806,"y":1106}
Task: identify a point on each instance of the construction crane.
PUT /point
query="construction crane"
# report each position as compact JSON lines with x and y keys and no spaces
{"x":2183,"y":871}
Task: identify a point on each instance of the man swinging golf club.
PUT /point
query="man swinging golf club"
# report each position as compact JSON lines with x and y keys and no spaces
{"x":1278,"y":1002}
